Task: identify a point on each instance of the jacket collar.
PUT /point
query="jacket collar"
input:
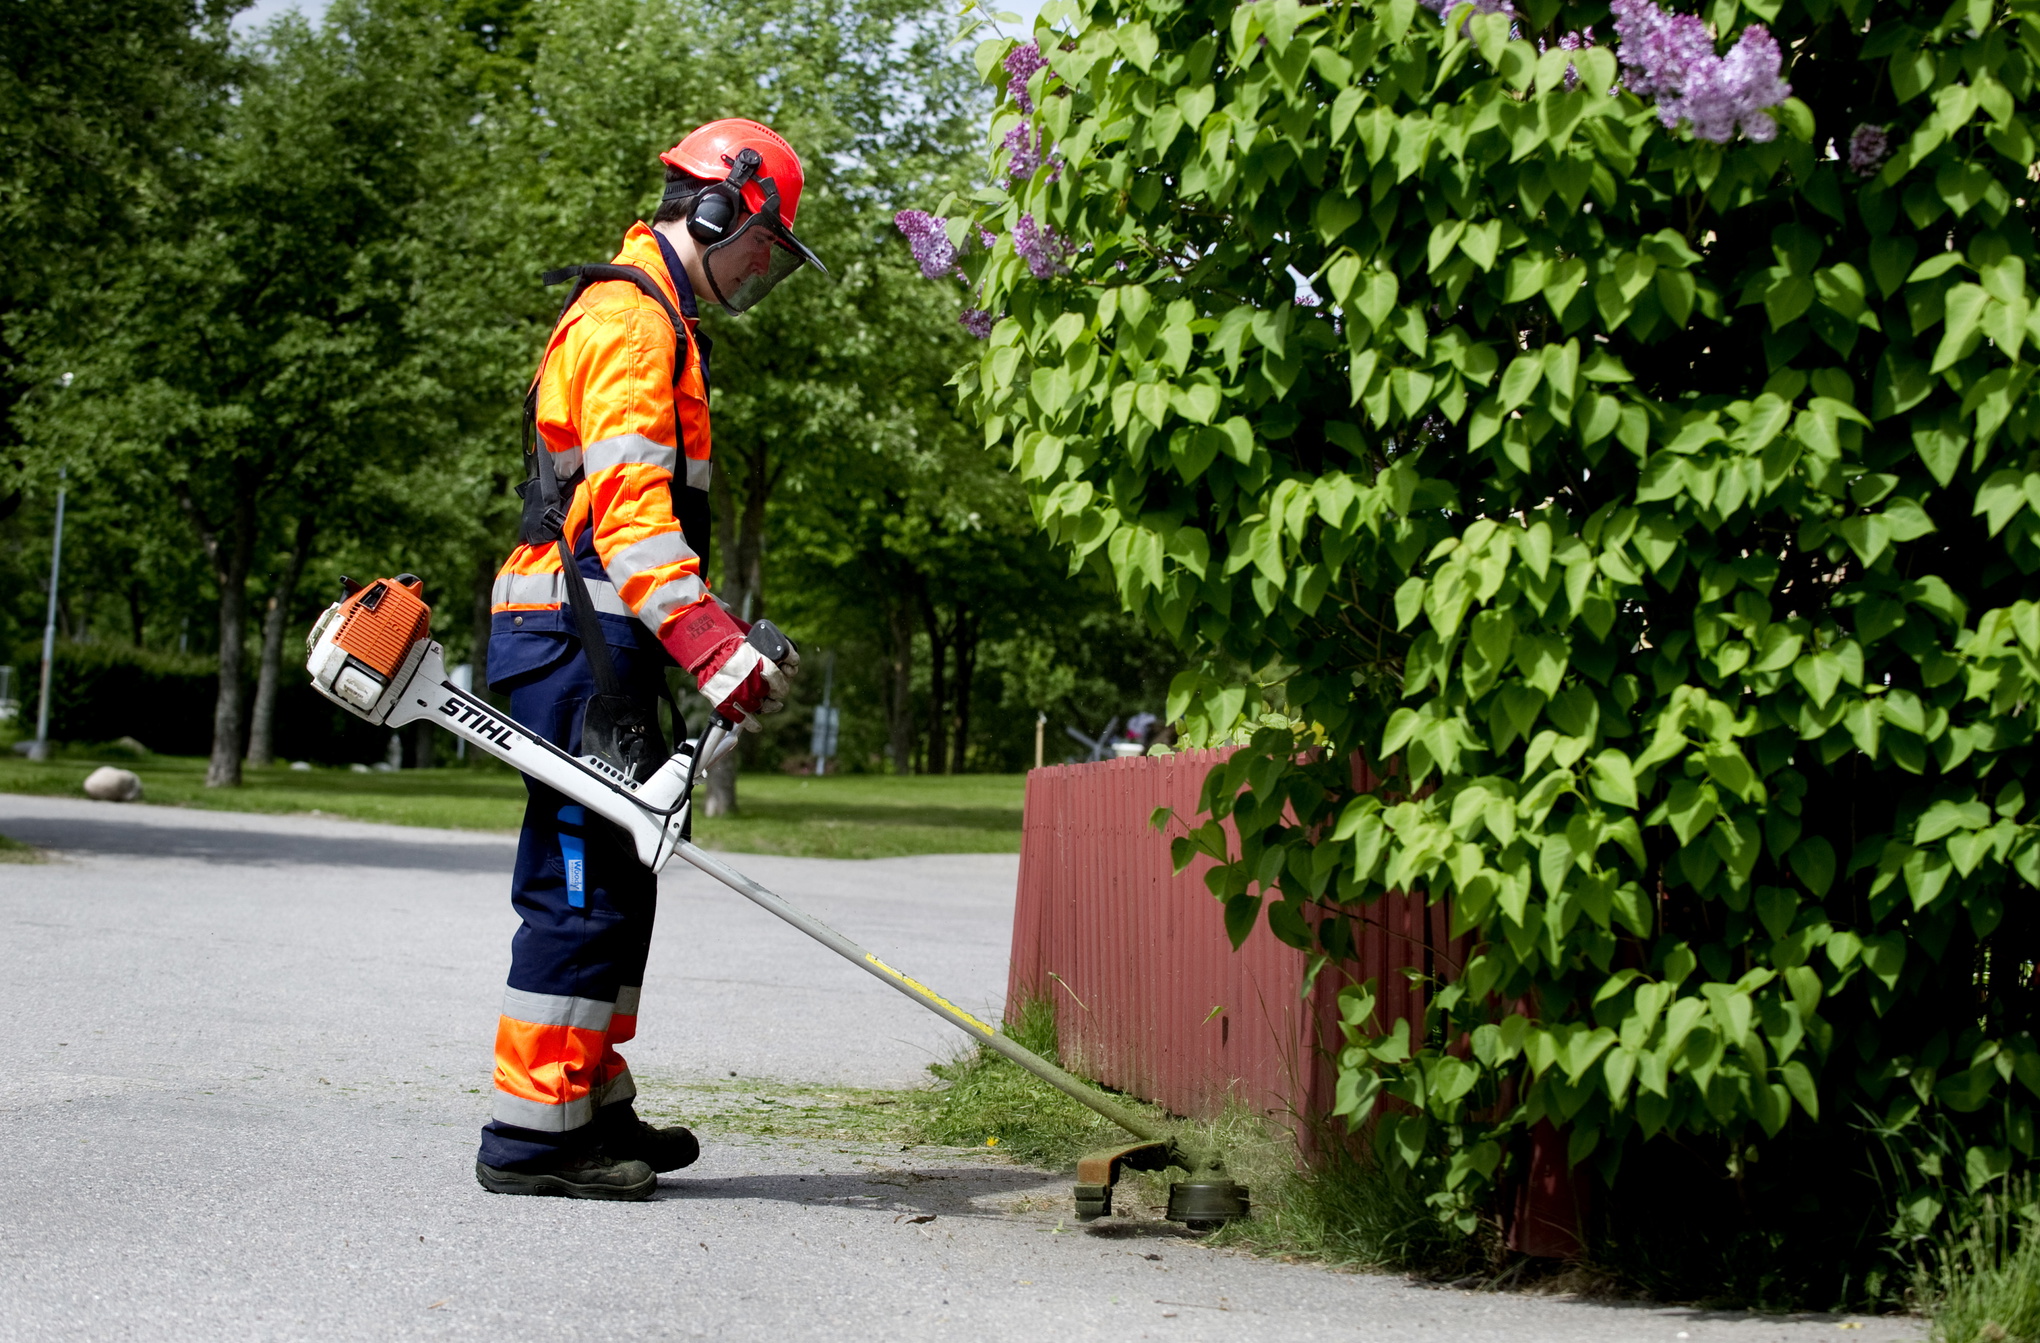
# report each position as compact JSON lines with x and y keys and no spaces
{"x":649,"y":251}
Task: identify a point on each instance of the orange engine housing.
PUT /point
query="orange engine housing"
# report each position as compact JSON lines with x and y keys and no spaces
{"x":379,"y":624}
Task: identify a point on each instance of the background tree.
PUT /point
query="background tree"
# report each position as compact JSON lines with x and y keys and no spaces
{"x":95,"y":98}
{"x":242,"y":361}
{"x":413,"y":170}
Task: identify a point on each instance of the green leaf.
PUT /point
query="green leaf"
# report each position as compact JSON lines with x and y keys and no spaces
{"x":1940,"y":442}
{"x":1614,"y":782}
{"x":1813,"y":862}
{"x":1891,"y":257}
{"x":1242,"y":911}
{"x":1947,"y":816}
{"x":1965,"y":305}
{"x":1787,"y":299}
{"x":1520,"y":379}
{"x":1444,"y":239}
{"x":1884,"y":955}
{"x":1138,"y":42}
{"x":1799,"y":1081}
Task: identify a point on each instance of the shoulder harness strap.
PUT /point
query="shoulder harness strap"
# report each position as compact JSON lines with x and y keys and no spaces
{"x":546,"y":496}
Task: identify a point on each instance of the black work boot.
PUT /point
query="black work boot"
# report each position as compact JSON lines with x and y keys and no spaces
{"x":660,"y":1148}
{"x":595,"y":1174}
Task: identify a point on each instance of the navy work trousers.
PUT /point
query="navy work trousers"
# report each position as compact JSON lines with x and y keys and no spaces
{"x":577,"y":962}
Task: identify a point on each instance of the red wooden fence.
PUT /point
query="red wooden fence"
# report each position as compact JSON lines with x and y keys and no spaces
{"x":1151,"y":998}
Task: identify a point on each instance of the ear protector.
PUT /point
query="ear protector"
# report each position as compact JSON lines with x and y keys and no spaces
{"x":719,"y":204}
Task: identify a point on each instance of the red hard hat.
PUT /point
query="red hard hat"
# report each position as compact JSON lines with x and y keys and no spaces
{"x":710,"y":151}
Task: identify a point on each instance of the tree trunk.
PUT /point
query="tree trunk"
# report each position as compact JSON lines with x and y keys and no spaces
{"x":899,"y":698}
{"x":136,"y":611}
{"x":937,"y":759}
{"x":740,"y":535}
{"x":750,"y":556}
{"x":233,"y":555}
{"x":484,"y":587}
{"x":722,"y":508}
{"x":421,"y":751}
{"x":720,"y":799}
{"x":966,"y":643}
{"x":262,"y":719}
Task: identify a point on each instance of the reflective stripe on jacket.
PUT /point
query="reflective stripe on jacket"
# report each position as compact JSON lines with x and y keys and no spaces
{"x":609,"y":407}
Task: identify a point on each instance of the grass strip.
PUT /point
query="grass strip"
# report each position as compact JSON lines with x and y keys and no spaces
{"x":14,"y":851}
{"x":1984,"y":1284}
{"x":842,"y":816}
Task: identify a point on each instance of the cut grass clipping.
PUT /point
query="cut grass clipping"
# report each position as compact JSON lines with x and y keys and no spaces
{"x":14,"y":851}
{"x":1985,"y":1282}
{"x":990,"y":1102}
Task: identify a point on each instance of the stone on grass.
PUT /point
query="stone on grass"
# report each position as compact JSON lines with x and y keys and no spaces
{"x":113,"y":785}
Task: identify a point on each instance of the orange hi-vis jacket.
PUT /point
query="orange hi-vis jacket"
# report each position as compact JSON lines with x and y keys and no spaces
{"x":611,"y":411}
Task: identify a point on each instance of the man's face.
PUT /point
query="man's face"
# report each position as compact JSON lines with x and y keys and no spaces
{"x":746,"y":255}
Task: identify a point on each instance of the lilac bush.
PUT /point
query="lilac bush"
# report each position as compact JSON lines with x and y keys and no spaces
{"x":1642,"y":503}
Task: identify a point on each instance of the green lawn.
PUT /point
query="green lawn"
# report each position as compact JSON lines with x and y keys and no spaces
{"x":846,"y":816}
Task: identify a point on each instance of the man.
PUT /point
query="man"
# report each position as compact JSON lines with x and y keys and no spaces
{"x":620,"y":413}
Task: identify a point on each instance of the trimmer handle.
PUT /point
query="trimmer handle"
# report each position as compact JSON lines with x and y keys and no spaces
{"x":770,"y":641}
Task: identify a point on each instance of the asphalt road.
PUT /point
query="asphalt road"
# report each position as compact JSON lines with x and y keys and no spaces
{"x":248,"y":1057}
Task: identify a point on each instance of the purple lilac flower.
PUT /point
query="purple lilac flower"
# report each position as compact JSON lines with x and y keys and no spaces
{"x":1731,"y":94}
{"x":1658,"y":48}
{"x":1670,"y":58}
{"x":988,"y":238}
{"x":976,"y":321}
{"x":1039,"y":246}
{"x":1021,"y":63}
{"x":1869,"y":146}
{"x":1024,"y":150}
{"x":929,"y":239}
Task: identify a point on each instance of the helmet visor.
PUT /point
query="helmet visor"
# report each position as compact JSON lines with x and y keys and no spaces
{"x":749,"y":264}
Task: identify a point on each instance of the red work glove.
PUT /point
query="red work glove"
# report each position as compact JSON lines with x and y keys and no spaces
{"x":736,"y":678}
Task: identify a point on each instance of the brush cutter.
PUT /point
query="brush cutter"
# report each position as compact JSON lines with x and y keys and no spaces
{"x":372,"y":654}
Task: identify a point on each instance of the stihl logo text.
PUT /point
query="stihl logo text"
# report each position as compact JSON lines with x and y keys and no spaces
{"x":483,"y":724}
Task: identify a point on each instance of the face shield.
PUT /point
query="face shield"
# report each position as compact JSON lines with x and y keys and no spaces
{"x":760,"y":252}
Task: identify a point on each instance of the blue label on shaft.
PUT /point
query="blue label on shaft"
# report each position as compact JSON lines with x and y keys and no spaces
{"x":574,"y":852}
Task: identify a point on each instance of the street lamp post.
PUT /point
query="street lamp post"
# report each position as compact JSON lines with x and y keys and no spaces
{"x":41,"y":749}
{"x":822,"y":744}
